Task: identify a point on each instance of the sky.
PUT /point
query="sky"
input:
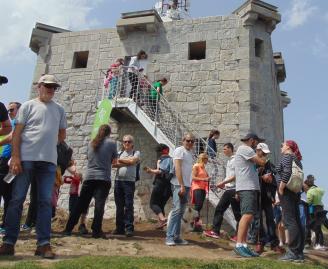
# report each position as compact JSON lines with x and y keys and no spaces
{"x":302,"y":37}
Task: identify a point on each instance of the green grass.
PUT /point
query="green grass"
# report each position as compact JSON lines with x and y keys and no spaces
{"x":158,"y":263}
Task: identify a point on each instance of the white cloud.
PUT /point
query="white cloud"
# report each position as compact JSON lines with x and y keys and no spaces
{"x":299,"y":13}
{"x":320,"y":48}
{"x":18,"y":17}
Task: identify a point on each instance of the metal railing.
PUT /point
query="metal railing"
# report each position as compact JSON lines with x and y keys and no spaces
{"x":127,"y":85}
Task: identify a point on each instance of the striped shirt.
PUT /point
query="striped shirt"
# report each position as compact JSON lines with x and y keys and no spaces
{"x":284,"y":169}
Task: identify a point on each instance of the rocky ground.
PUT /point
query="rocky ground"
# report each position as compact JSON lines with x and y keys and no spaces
{"x":147,"y":242}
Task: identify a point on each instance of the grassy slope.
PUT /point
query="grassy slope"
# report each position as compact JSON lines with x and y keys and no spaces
{"x":157,"y":263}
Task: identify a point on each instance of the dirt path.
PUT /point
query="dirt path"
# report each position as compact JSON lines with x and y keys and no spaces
{"x":146,"y":242}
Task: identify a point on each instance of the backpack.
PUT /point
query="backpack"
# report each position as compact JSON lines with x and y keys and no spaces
{"x":295,"y":183}
{"x":64,"y":156}
{"x":137,"y":166}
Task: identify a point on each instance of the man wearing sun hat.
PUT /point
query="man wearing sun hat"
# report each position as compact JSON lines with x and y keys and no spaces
{"x":41,"y":124}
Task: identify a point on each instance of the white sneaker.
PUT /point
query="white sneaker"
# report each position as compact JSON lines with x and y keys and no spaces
{"x":319,"y":247}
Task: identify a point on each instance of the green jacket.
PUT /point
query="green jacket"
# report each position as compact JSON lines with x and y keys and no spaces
{"x":314,"y":196}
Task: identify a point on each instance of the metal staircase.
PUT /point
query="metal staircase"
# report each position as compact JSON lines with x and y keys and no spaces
{"x":132,"y":92}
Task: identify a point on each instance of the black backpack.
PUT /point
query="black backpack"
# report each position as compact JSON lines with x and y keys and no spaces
{"x":64,"y":156}
{"x":137,"y":167}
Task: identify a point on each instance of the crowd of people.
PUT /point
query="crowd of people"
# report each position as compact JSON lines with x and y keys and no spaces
{"x":265,"y":199}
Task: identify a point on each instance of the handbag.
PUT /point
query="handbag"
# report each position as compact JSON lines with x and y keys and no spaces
{"x":295,"y":183}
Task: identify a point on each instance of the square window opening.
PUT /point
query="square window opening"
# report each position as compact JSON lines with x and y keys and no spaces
{"x":80,"y":59}
{"x":259,"y":50}
{"x":197,"y":50}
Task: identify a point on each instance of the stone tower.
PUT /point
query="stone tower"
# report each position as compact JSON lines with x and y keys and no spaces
{"x":222,"y":74}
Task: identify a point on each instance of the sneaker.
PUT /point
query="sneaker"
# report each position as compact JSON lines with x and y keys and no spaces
{"x":300,"y":258}
{"x":289,"y":257}
{"x":26,"y":228}
{"x":241,"y":251}
{"x":251,"y":252}
{"x":212,"y":234}
{"x":45,"y":252}
{"x":319,"y":247}
{"x":129,"y":233}
{"x":170,"y":242}
{"x":181,"y":242}
{"x":7,"y":250}
{"x":259,"y":249}
{"x":233,"y":238}
{"x":83,"y":229}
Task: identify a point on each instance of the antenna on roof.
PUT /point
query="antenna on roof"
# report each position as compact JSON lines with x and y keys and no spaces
{"x":170,"y":10}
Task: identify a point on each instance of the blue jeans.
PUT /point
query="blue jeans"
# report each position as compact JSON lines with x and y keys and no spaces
{"x":124,"y":196}
{"x":44,"y":174}
{"x":179,"y":206}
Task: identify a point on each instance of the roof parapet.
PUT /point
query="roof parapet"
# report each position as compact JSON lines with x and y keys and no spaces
{"x":41,"y":34}
{"x":256,"y":10}
{"x":145,"y":20}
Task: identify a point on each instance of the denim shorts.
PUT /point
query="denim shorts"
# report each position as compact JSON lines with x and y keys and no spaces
{"x":249,"y":202}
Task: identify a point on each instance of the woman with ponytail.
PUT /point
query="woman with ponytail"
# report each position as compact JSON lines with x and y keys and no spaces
{"x":290,"y":201}
{"x":102,"y":153}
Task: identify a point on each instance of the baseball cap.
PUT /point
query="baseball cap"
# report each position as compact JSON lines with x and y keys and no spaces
{"x":254,"y":136}
{"x":264,"y":147}
{"x":48,"y":79}
{"x":3,"y":80}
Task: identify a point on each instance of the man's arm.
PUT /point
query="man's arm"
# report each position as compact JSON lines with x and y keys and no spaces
{"x":261,"y":161}
{"x":15,"y":164}
{"x":178,"y":171}
{"x":61,"y":135}
{"x":5,"y":127}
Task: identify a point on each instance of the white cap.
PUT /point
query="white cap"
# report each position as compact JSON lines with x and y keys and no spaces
{"x":264,"y":147}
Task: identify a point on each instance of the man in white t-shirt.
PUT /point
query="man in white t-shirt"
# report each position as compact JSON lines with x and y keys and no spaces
{"x":247,"y":188}
{"x":41,"y":124}
{"x":180,"y":183}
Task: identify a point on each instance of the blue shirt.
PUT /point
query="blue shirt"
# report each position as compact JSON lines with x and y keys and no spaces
{"x":6,"y":149}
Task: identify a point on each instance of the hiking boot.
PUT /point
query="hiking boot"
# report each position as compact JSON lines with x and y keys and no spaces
{"x":7,"y":250}
{"x":129,"y":233}
{"x":259,"y":249}
{"x":45,"y":252}
{"x":181,"y":242}
{"x":241,"y":251}
{"x":212,"y":234}
{"x":278,"y":249}
{"x":99,"y":235}
{"x":83,"y":229}
{"x":118,"y":232}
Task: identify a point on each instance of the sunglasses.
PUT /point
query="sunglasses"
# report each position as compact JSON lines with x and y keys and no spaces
{"x":127,"y":142}
{"x":11,"y":110}
{"x":190,"y":141}
{"x":50,"y":86}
